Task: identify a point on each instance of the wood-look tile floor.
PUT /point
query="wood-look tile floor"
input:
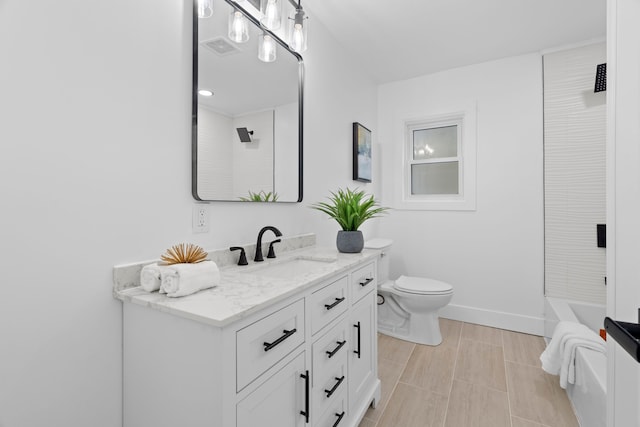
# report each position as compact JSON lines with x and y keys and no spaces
{"x":477,"y":377}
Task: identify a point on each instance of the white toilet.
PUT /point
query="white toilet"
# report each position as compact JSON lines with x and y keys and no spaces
{"x":408,"y":306}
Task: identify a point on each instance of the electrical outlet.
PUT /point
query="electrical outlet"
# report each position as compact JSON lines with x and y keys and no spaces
{"x":200,"y":221}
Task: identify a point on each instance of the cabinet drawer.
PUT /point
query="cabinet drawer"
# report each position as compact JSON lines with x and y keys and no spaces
{"x":335,"y":415}
{"x":329,"y":385}
{"x":263,"y":343}
{"x":329,"y":349}
{"x":328,"y":303}
{"x":363,"y":281}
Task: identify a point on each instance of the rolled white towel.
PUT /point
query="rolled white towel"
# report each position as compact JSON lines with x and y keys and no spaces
{"x":179,"y":280}
{"x":150,"y":277}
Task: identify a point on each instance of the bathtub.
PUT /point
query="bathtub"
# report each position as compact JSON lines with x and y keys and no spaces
{"x":589,"y":394}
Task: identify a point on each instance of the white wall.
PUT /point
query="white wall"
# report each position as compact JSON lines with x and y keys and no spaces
{"x":285,"y":178}
{"x":493,"y":256}
{"x":95,"y":170}
{"x":253,"y":161}
{"x":337,"y":93}
{"x":215,"y":155}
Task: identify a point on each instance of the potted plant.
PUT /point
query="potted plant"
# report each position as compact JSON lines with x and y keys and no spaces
{"x":350,"y":208}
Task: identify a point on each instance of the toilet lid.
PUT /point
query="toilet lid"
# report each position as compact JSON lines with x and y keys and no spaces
{"x":422,"y":285}
{"x":378,"y":243}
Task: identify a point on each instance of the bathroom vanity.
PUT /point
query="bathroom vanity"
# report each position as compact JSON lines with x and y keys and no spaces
{"x":287,"y":342}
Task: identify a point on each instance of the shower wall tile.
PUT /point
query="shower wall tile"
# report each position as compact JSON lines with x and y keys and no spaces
{"x":574,"y":174}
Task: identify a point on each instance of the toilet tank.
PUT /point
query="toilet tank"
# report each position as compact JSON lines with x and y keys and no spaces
{"x":384,"y":246}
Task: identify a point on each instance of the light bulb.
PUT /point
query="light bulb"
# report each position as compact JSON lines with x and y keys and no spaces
{"x":267,"y":49}
{"x":238,"y":27}
{"x":298,"y":31}
{"x":271,"y":13}
{"x":297,"y":38}
{"x":205,"y":8}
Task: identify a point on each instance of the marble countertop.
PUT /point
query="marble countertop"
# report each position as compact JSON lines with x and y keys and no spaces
{"x":243,"y":290}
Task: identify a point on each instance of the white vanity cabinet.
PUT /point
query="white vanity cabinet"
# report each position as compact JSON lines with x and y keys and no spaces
{"x":292,"y":363}
{"x":363,"y":357}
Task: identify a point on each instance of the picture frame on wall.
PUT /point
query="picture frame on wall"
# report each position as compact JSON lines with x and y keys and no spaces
{"x":361,"y":153}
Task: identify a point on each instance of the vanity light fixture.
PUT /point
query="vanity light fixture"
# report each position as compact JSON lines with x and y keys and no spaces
{"x":205,"y":92}
{"x":271,"y":14}
{"x":266,"y":48}
{"x":205,"y":8}
{"x":298,"y":28}
{"x":238,"y":27}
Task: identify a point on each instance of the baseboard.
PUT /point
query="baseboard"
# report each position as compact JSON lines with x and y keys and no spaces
{"x":495,"y":319}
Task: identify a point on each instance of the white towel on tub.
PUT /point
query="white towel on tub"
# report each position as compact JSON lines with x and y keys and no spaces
{"x":590,"y":340}
{"x":179,"y":280}
{"x":150,"y":276}
{"x":559,"y":357}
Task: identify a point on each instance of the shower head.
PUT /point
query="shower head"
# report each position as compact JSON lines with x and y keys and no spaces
{"x":601,"y":78}
{"x":244,"y":134}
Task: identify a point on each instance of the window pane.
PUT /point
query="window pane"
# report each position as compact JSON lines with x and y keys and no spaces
{"x":434,"y":178}
{"x":435,"y":143}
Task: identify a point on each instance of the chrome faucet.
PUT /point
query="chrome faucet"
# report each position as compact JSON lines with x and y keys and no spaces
{"x":277,"y":232}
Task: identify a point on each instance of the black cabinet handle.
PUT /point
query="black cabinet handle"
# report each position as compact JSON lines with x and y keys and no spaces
{"x":269,"y":345}
{"x":330,"y":306}
{"x":330,"y":354}
{"x":335,"y":386}
{"x":366,"y":282}
{"x":340,"y":416}
{"x":306,"y":396}
{"x":357,"y":326}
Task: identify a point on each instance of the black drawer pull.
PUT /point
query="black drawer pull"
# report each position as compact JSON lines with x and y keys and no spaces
{"x":357,"y":326}
{"x":335,"y":386}
{"x":269,"y":345}
{"x":306,"y":396}
{"x":330,"y":306}
{"x":340,"y":416}
{"x":330,"y":354}
{"x":366,"y":282}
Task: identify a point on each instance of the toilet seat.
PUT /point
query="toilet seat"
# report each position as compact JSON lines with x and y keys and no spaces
{"x":422,"y":286}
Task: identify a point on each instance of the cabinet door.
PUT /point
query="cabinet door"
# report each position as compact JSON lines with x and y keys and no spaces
{"x":279,"y":401}
{"x":363,"y":351}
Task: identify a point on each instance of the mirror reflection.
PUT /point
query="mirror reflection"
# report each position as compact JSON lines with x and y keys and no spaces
{"x":247,"y":109}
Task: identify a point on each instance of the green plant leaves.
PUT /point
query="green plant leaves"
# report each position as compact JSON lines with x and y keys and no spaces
{"x":261,"y":196}
{"x":350,"y":208}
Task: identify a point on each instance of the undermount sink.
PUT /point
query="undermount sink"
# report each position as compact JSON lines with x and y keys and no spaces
{"x":287,"y":269}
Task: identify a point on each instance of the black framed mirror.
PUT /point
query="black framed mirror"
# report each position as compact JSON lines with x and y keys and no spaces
{"x":247,"y":114}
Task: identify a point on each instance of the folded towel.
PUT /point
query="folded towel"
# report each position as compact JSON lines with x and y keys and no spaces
{"x":551,"y":358}
{"x":150,"y":277}
{"x":559,"y":356}
{"x":591,"y":341}
{"x":178,"y":280}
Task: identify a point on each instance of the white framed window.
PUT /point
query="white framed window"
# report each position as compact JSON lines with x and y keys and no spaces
{"x":439,"y":161}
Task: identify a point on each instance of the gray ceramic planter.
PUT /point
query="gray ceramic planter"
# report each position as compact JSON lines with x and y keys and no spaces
{"x":350,"y":242}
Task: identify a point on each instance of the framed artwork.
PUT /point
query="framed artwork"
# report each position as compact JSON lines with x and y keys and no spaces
{"x":361,"y":153}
